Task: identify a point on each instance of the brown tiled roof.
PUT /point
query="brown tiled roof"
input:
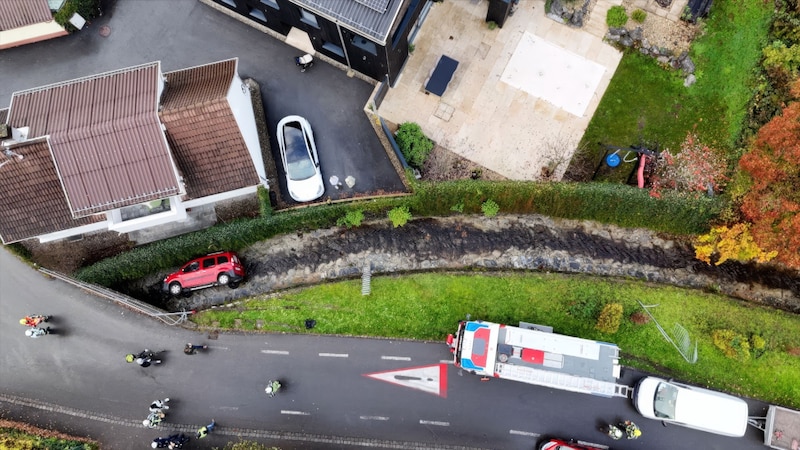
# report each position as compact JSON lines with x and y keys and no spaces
{"x":18,"y":13}
{"x":3,"y":115}
{"x":32,"y":201}
{"x":202,"y":131}
{"x":105,"y":135}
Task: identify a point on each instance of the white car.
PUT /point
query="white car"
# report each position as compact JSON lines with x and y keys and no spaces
{"x":299,"y":158}
{"x":690,"y":406}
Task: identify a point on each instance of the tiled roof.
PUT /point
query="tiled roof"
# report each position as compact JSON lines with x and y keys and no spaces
{"x":19,"y":13}
{"x":358,"y":16}
{"x":33,"y":198}
{"x":202,"y":131}
{"x":3,"y":115}
{"x":105,"y":136}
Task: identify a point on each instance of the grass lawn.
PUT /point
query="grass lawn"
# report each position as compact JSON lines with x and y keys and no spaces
{"x":645,"y":103}
{"x":427,"y":307}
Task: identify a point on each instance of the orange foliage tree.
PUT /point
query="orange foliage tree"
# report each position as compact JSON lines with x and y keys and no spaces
{"x":773,"y":203}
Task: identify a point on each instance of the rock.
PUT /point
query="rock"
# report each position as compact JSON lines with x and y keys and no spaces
{"x":663,"y":60}
{"x":612,"y":37}
{"x":557,"y":8}
{"x":617,"y":31}
{"x":576,"y":19}
{"x":555,"y":17}
{"x":687,"y":65}
{"x":626,"y":41}
{"x":690,"y":80}
{"x":637,"y":34}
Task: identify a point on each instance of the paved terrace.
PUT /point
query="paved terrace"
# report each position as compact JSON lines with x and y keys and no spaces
{"x":522,"y":95}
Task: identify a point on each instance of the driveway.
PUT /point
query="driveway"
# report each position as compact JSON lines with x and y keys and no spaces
{"x":187,"y":33}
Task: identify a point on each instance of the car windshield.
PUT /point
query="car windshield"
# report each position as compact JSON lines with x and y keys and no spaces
{"x":298,"y":161}
{"x":664,"y":402}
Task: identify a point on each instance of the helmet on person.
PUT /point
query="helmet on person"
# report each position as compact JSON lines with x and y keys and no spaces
{"x":636,"y":432}
{"x":23,"y":321}
{"x":146,"y":422}
{"x":29,"y":332}
{"x":154,"y":444}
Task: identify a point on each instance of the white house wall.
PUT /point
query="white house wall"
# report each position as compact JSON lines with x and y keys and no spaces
{"x":219,"y":197}
{"x":241,"y":105}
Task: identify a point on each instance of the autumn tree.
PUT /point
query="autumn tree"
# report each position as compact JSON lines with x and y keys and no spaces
{"x":772,"y":204}
{"x":696,"y":168}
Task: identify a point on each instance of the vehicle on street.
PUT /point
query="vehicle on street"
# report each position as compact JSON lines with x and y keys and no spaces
{"x":562,"y":444}
{"x":533,"y":354}
{"x":216,"y":269}
{"x":299,"y":158}
{"x":690,"y":406}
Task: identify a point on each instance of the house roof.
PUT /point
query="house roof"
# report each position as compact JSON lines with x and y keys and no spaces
{"x":3,"y":115}
{"x":202,"y":131}
{"x":372,"y":18}
{"x":19,"y":13}
{"x":105,"y":137}
{"x":33,"y":198}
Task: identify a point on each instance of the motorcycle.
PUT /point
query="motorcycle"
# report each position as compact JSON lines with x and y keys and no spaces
{"x":272,"y":387}
{"x":627,"y":428}
{"x":177,"y":440}
{"x":144,"y":359}
{"x":33,"y":320}
{"x":153,"y":419}
{"x":304,"y":62}
{"x":613,"y":431}
{"x":37,"y":332}
{"x":159,"y":405}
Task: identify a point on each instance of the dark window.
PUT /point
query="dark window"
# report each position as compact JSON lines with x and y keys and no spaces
{"x":230,"y":3}
{"x":404,"y":23}
{"x":222,"y":259}
{"x":258,"y":14}
{"x":333,"y":48}
{"x":208,"y":262}
{"x":271,"y":3}
{"x":308,"y":18}
{"x":364,"y":44}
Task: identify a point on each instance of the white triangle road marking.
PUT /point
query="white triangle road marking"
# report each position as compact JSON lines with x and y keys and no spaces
{"x":431,"y":379}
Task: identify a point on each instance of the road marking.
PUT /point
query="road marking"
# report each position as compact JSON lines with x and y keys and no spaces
{"x":275,"y":352}
{"x":229,"y":408}
{"x":434,"y":422}
{"x":295,"y":413}
{"x":431,"y":379}
{"x":217,"y":348}
{"x":397,"y":358}
{"x":524,"y":433}
{"x":373,"y":418}
{"x":335,"y":355}
{"x":445,"y":361}
{"x":592,"y":444}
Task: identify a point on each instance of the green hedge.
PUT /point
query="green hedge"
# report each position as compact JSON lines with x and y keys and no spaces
{"x":603,"y":202}
{"x":88,"y":9}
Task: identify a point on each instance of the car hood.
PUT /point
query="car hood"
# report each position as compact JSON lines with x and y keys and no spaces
{"x":306,"y":190}
{"x":644,"y":395}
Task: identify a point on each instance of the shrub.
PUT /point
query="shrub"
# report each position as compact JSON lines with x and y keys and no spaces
{"x":610,"y":318}
{"x":351,"y":219}
{"x":458,"y":207}
{"x":758,"y":344}
{"x":490,"y":208}
{"x":640,"y":318}
{"x":733,"y":242}
{"x":88,"y":9}
{"x":585,"y":308}
{"x":491,"y":24}
{"x":697,"y":168}
{"x":638,"y":15}
{"x":399,"y":216}
{"x":616,"y":17}
{"x":732,"y":344}
{"x":413,"y":143}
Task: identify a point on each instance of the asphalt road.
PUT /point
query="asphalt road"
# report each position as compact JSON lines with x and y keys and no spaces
{"x":77,"y":380}
{"x":187,"y":33}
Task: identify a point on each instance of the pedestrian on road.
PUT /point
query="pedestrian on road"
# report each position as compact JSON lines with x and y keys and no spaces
{"x":36,"y":332}
{"x":160,"y":442}
{"x":191,"y":349}
{"x":203,"y":432}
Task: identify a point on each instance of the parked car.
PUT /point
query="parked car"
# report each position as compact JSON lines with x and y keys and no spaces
{"x":561,"y":444}
{"x":221,"y":268}
{"x":299,"y":158}
{"x":690,"y":406}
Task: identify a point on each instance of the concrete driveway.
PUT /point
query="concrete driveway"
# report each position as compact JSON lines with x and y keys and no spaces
{"x":186,"y":33}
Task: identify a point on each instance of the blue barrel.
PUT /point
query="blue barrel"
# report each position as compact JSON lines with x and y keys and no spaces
{"x":612,"y":160}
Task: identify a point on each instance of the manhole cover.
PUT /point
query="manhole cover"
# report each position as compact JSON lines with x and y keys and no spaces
{"x":105,"y":30}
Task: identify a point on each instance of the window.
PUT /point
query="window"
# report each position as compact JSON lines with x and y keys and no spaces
{"x":230,"y":3}
{"x":258,"y":14}
{"x":222,"y":259}
{"x":271,"y":3}
{"x":364,"y":44}
{"x":333,"y":48}
{"x":309,"y":18}
{"x":208,"y":262}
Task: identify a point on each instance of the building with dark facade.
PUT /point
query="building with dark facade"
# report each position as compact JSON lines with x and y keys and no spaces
{"x":369,"y":36}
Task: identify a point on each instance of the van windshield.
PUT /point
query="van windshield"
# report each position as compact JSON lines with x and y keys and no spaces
{"x":664,"y":402}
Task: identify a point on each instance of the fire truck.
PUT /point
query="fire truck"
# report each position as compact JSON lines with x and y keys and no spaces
{"x":533,"y":354}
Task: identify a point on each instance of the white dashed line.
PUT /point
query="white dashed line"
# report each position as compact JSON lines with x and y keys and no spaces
{"x":335,"y":355}
{"x":445,"y":361}
{"x":524,"y":433}
{"x":275,"y":352}
{"x":397,"y":358}
{"x":214,"y":347}
{"x":229,"y":408}
{"x":373,"y":418}
{"x":295,"y":413}
{"x":434,"y":422}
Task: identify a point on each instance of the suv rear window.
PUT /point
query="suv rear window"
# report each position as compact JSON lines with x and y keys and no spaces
{"x":222,"y":259}
{"x":208,"y":262}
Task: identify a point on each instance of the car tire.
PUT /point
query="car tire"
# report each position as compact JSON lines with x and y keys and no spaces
{"x":224,"y":279}
{"x":233,"y":284}
{"x":175,"y":288}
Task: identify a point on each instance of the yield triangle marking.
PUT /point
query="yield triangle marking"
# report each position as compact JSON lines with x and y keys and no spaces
{"x":431,"y":379}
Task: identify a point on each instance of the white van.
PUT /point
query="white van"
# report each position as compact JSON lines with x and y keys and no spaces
{"x":690,"y":406}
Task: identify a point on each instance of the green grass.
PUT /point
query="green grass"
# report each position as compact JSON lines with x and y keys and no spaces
{"x":427,"y":307}
{"x":645,"y":103}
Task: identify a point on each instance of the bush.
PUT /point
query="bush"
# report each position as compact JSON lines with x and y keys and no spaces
{"x":490,"y":208}
{"x":732,"y":344}
{"x":610,"y":318}
{"x":638,"y":15}
{"x":88,"y":9}
{"x":351,"y":219}
{"x":399,"y":216}
{"x":616,"y":17}
{"x":413,"y":143}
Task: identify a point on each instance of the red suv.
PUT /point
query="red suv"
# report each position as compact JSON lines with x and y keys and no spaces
{"x":222,"y":268}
